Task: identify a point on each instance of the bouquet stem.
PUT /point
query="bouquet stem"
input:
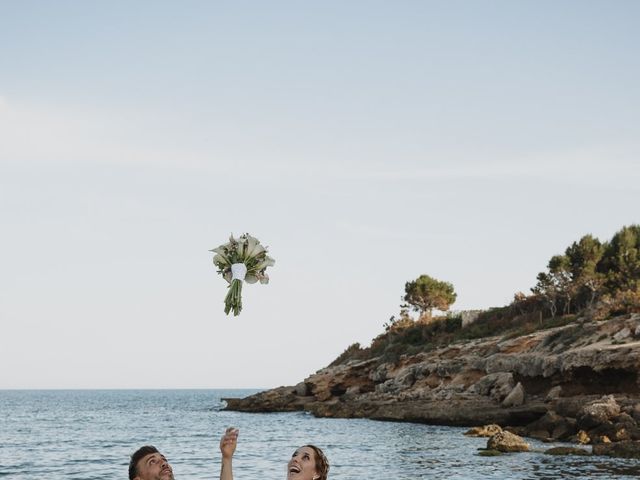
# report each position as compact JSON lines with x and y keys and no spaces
{"x":233,"y":300}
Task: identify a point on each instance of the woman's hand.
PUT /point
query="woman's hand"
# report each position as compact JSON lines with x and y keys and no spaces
{"x":228,"y":442}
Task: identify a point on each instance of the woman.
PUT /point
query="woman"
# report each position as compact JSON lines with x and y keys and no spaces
{"x":307,"y":462}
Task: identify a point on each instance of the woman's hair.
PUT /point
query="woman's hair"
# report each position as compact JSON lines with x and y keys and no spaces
{"x":322,"y":464}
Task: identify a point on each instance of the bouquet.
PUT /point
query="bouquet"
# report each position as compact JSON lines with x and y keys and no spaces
{"x":241,"y":259}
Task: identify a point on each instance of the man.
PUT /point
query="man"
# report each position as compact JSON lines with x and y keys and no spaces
{"x":147,"y":463}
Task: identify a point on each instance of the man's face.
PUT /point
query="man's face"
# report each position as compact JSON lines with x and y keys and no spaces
{"x":154,"y":467}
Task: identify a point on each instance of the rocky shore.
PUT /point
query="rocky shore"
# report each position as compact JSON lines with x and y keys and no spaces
{"x":577,"y":382}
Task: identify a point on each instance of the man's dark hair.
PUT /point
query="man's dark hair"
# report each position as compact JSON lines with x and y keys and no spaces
{"x":137,"y":456}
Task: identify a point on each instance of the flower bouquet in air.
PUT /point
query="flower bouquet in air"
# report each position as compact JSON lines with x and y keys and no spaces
{"x":241,"y":259}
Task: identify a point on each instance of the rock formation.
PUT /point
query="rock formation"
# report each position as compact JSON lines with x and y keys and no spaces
{"x":550,"y":384}
{"x":507,"y":442}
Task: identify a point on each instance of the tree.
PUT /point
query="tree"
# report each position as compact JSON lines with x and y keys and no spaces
{"x":554,"y":285}
{"x":590,"y":269}
{"x":584,"y":257}
{"x":560,"y":272}
{"x":426,"y":293}
{"x":621,"y":260}
{"x":572,"y":279}
{"x":547,"y":288}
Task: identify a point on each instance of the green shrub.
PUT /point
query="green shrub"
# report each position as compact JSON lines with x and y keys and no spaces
{"x":352,"y":352}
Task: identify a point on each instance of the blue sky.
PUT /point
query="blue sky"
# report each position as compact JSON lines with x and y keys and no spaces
{"x":365,"y":142}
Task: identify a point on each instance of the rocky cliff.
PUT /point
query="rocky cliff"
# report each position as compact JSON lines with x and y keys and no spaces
{"x":510,"y":382}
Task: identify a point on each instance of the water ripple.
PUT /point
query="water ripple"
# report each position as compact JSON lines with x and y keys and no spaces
{"x":90,"y":435}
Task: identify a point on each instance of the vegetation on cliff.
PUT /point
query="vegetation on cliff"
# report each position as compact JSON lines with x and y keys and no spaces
{"x":591,"y":279}
{"x":426,"y":293}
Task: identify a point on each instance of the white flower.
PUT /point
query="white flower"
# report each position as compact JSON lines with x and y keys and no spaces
{"x":220,"y":260}
{"x":253,"y":247}
{"x":267,"y":262}
{"x":220,"y":250}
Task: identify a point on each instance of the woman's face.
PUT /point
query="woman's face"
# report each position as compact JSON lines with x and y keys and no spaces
{"x":302,"y":465}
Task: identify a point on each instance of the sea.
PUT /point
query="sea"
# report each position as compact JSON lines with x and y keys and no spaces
{"x":90,"y":434}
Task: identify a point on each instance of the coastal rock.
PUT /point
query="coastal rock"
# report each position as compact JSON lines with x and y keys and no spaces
{"x":507,"y":442}
{"x":405,"y":379}
{"x":451,"y":411}
{"x":621,"y":434}
{"x":542,"y":435}
{"x":281,"y":399}
{"x":389,"y":386}
{"x":352,"y":390}
{"x":379,"y":374}
{"x":553,"y":394}
{"x":605,"y":429}
{"x":495,"y":385}
{"x":582,"y":438}
{"x":333,"y":382}
{"x":484,"y":431}
{"x":302,"y":389}
{"x":489,"y":453}
{"x":596,"y":413}
{"x":622,"y":334}
{"x":564,"y":430}
{"x":563,"y":371}
{"x":619,"y":450}
{"x":515,"y":397}
{"x":601,"y":439}
{"x":567,"y":451}
{"x":551,"y":426}
{"x":625,"y":419}
{"x":626,"y":428}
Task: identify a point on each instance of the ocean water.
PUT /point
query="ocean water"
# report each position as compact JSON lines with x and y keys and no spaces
{"x":91,"y":434}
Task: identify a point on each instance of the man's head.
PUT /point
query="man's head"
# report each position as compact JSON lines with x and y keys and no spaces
{"x":147,"y":463}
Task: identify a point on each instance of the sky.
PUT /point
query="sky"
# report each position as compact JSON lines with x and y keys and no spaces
{"x":365,"y":143}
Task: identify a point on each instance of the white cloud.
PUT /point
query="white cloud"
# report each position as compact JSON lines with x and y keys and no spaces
{"x":53,"y":133}
{"x":69,"y":135}
{"x":401,"y":234}
{"x":38,"y":134}
{"x":589,"y":165}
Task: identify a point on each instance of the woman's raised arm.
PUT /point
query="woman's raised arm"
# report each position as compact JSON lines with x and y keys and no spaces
{"x":228,"y":444}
